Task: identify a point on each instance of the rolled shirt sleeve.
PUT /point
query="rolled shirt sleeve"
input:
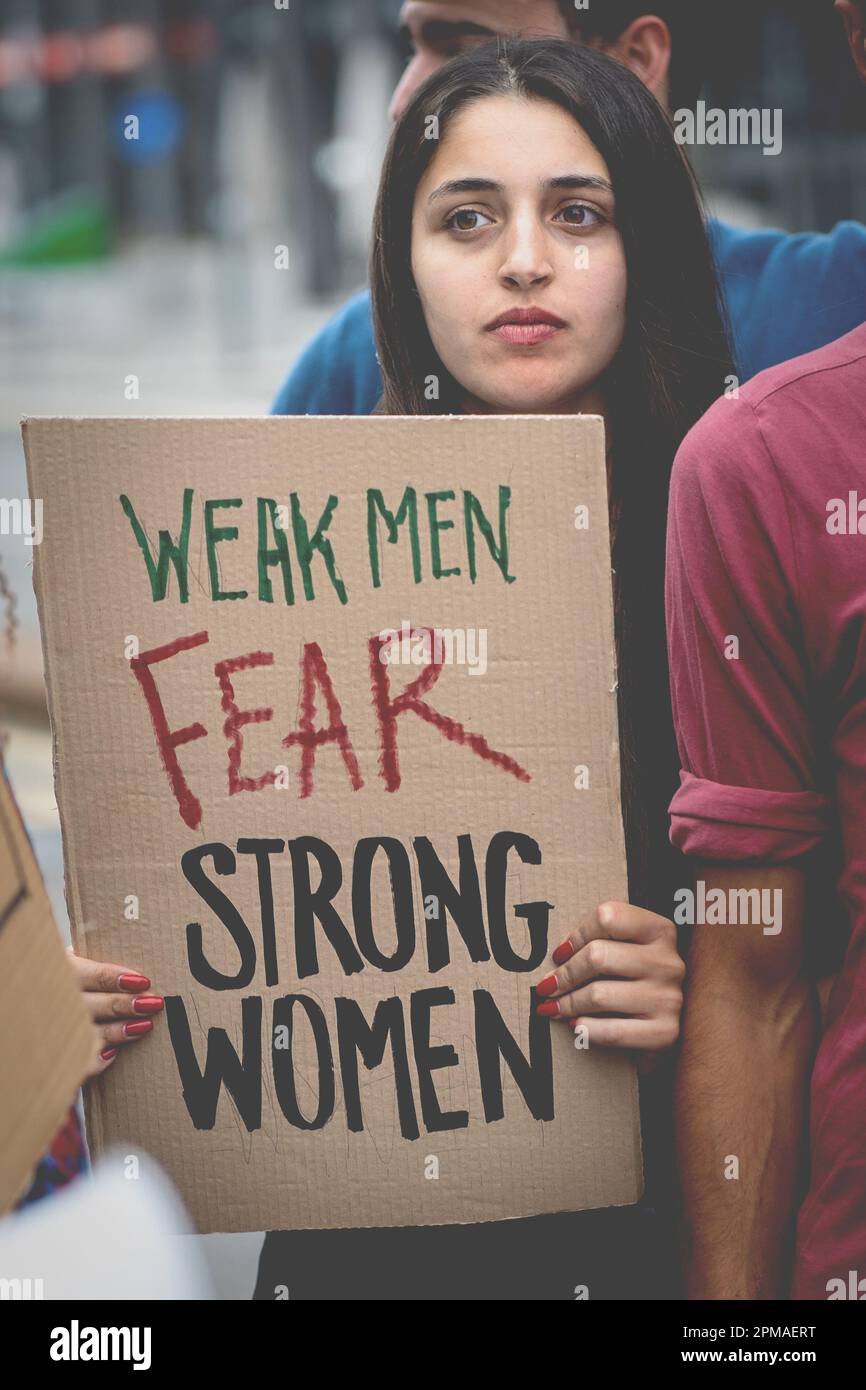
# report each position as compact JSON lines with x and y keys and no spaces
{"x":741,"y":688}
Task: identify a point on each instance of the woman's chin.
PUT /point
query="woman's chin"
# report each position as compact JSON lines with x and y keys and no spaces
{"x":529,"y":403}
{"x":529,"y":394}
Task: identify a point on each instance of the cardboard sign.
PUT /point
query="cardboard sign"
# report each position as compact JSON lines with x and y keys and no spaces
{"x":46,"y":1037}
{"x":335,"y":719}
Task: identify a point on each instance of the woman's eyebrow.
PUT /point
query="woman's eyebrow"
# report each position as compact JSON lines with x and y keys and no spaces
{"x":580,"y":181}
{"x":473,"y":185}
{"x":479,"y":185}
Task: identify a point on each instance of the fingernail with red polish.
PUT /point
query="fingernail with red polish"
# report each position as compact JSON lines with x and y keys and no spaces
{"x":108,"y":1054}
{"x":547,"y":986}
{"x":147,"y":1004}
{"x":134,"y":983}
{"x":137,"y":1030}
{"x":549,"y":1010}
{"x":563,"y":953}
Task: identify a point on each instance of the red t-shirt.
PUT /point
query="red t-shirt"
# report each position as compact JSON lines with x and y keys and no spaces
{"x":767,"y":544}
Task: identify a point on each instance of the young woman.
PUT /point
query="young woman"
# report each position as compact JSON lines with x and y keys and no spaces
{"x":539,"y":247}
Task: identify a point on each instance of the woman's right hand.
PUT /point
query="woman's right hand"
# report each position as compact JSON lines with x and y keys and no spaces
{"x":120,"y":1003}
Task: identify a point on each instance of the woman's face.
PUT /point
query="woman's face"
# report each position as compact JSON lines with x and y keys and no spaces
{"x":517,"y":259}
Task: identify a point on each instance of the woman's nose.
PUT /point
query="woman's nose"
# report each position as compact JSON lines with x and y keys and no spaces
{"x":526,"y":261}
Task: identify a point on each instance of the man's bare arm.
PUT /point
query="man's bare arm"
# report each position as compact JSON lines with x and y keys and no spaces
{"x":748,"y":1038}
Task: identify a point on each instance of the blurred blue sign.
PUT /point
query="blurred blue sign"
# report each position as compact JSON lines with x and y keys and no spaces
{"x":147,"y":126}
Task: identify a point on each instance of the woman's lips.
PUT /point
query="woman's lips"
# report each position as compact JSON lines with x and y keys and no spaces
{"x":525,"y":334}
{"x":526,"y":327}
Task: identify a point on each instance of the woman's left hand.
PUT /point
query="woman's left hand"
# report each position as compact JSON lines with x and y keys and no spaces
{"x":621,"y":978}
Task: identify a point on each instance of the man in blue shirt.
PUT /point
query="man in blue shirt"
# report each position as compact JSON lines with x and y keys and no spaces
{"x":786,"y":295}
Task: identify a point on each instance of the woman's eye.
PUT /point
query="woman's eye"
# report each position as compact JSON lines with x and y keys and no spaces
{"x":466,"y":220}
{"x":580,"y":215}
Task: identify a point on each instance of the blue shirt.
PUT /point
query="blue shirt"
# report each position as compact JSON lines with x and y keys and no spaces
{"x":786,"y":295}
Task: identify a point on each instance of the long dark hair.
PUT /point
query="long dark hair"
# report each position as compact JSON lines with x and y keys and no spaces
{"x":671,"y":367}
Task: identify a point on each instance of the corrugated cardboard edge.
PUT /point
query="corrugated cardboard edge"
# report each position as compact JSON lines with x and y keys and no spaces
{"x":72,"y":903}
{"x":68,"y":881}
{"x":613,"y":688}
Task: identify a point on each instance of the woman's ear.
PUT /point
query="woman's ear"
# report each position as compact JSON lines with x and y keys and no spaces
{"x":854,"y":19}
{"x":645,"y":47}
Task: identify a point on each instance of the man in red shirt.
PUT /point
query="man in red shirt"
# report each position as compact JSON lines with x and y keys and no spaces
{"x":767,"y":635}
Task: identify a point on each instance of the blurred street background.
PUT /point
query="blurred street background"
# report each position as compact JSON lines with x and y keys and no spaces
{"x":186,"y":189}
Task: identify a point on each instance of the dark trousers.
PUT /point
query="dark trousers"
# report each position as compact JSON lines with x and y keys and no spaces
{"x":619,"y":1253}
